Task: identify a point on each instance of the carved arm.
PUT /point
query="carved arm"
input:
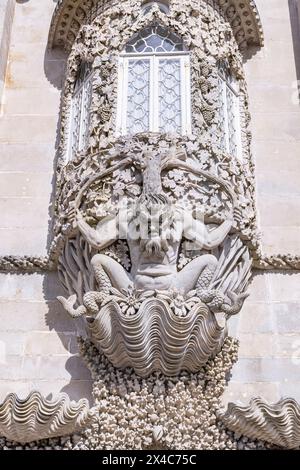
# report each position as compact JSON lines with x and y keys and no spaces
{"x":196,"y":232}
{"x":105,"y":234}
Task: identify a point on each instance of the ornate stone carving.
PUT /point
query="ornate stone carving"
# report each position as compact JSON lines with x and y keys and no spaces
{"x":133,"y":413}
{"x":277,"y":423}
{"x":37,"y":418}
{"x":26,"y":264}
{"x":71,"y":15}
{"x":278,"y":262}
{"x":163,"y":306}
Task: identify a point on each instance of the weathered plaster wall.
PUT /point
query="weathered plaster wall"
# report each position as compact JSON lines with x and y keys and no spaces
{"x":37,"y":342}
{"x":269,"y":324}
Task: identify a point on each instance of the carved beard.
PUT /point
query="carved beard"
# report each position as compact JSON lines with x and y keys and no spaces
{"x":155,"y":246}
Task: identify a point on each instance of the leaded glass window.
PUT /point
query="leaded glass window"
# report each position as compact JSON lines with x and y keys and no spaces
{"x":154,"y":84}
{"x":80,"y":111}
{"x":229,"y":135}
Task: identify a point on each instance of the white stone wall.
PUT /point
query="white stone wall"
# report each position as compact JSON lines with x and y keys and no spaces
{"x":269,"y":325}
{"x":37,"y":340}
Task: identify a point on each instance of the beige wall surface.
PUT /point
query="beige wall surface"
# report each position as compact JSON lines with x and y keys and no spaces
{"x":269,"y":325}
{"x":37,"y":340}
{"x":272,"y":76}
{"x":38,"y":347}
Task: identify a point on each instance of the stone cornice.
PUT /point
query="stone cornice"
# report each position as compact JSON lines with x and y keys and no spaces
{"x":70,"y":15}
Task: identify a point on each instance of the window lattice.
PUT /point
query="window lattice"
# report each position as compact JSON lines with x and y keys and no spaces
{"x":154,"y":84}
{"x":169,"y":96}
{"x":80,"y":115}
{"x":229,"y":126}
{"x":138,"y":112}
{"x":155,"y":39}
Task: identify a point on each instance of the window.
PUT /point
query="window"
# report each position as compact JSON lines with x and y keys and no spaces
{"x":229,"y":117}
{"x":154,"y":84}
{"x":163,"y":6}
{"x":80,"y":112}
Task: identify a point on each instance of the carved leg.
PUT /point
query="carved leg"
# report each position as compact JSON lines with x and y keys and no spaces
{"x":109,"y":273}
{"x":197,"y":274}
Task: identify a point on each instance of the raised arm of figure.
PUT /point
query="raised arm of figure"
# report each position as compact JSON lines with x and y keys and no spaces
{"x":104,"y":235}
{"x":196,"y":232}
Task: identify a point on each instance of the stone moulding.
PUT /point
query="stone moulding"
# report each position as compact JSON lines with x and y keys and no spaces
{"x":26,"y":264}
{"x":70,"y":15}
{"x":278,"y":423}
{"x":155,"y":339}
{"x":32,"y":264}
{"x":36,"y":418}
{"x":278,"y":262}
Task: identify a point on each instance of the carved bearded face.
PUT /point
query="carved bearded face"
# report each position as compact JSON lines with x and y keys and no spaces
{"x":156,"y":219}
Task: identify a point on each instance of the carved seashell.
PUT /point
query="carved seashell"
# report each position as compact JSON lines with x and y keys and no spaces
{"x":155,"y":339}
{"x":36,"y":418}
{"x":278,"y":424}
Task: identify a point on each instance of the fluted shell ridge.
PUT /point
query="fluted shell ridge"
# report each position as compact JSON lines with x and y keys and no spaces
{"x":278,"y":423}
{"x":35,"y":418}
{"x":155,"y":339}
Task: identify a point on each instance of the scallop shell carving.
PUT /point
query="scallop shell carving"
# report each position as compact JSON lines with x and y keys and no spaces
{"x":278,"y":424}
{"x":155,"y":339}
{"x":36,"y":418}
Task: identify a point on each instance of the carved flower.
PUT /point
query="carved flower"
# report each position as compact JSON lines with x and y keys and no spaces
{"x":130,"y":300}
{"x":179,"y":303}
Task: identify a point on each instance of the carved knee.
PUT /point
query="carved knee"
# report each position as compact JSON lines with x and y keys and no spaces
{"x":98,"y":260}
{"x":212,"y":262}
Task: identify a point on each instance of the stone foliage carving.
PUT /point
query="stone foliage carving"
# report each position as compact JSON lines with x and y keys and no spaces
{"x":133,"y":282}
{"x":277,"y":423}
{"x":71,"y":15}
{"x":97,"y":44}
{"x":37,"y":418}
{"x":163,"y":306}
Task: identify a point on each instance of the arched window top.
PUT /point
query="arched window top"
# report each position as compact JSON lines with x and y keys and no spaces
{"x":163,"y":6}
{"x":155,"y":39}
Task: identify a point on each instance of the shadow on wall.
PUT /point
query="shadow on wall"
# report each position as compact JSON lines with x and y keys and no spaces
{"x":294,"y":9}
{"x":56,"y":318}
{"x":68,"y":330}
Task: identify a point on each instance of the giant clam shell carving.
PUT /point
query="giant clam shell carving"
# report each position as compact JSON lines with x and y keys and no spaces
{"x":155,"y":339}
{"x":36,"y":418}
{"x":278,"y":424}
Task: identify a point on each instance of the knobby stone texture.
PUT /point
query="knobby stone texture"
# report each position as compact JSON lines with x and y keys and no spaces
{"x":269,"y":326}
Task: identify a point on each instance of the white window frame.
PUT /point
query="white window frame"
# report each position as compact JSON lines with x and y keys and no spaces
{"x":185,"y":85}
{"x":83,"y":131}
{"x":234,"y":88}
